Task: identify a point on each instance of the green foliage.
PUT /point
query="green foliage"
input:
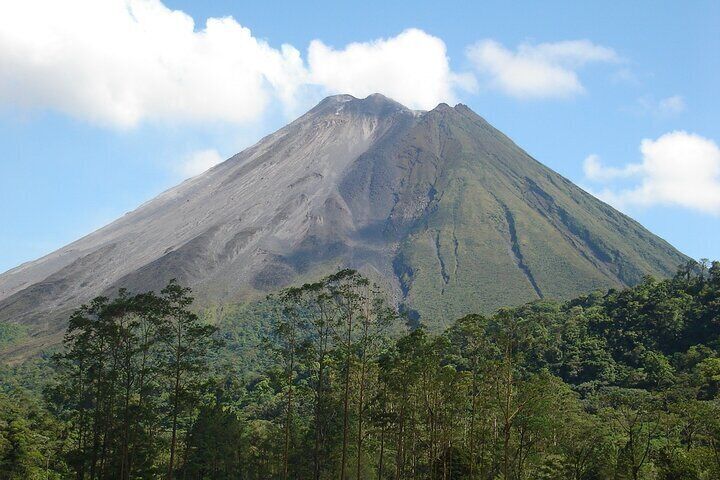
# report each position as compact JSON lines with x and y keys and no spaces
{"x":621,"y":385}
{"x":500,"y":229}
{"x":129,"y":383}
{"x":215,"y":444}
{"x":11,"y":333}
{"x":32,"y":441}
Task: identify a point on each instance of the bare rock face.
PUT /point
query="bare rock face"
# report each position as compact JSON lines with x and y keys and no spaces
{"x":444,"y":209}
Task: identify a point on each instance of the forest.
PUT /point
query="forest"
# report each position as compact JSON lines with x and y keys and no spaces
{"x":623,"y":384}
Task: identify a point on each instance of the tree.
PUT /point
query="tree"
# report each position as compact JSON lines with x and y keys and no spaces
{"x":471,"y":348}
{"x":130,"y":365}
{"x":287,"y":339}
{"x":635,"y":415}
{"x":215,"y":444}
{"x":31,"y":440}
{"x":622,"y":384}
{"x":514,"y":337}
{"x":187,"y":342}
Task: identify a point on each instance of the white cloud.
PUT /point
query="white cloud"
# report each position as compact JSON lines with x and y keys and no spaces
{"x":122,"y":62}
{"x":595,"y":170}
{"x":119,"y":62}
{"x":412,"y":68}
{"x":545,"y":70}
{"x":678,"y":168}
{"x":199,"y":162}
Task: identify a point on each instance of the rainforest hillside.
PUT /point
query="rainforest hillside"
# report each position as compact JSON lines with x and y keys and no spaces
{"x":616,"y":384}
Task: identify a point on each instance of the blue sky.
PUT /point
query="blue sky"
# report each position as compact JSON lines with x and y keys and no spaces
{"x":103,"y":105}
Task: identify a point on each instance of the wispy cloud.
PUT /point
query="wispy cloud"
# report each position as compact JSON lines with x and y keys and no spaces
{"x":671,"y":105}
{"x":198,"y":162}
{"x":678,"y":168}
{"x":544,"y":70}
{"x":625,"y":76}
{"x":662,"y":108}
{"x":596,"y":171}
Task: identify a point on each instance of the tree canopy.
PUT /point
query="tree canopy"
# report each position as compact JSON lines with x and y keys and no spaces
{"x":623,"y":384}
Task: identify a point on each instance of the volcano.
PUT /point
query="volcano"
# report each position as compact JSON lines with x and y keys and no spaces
{"x":440,"y":207}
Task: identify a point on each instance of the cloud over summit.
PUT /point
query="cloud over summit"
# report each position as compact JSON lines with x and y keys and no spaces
{"x":411,"y":68}
{"x":122,"y":62}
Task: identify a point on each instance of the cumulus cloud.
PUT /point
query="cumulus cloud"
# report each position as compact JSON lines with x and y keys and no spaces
{"x":199,"y":162}
{"x":412,"y":68}
{"x":678,"y":168}
{"x":545,"y":70}
{"x":121,"y":62}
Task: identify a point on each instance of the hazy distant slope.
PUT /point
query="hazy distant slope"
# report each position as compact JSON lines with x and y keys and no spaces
{"x":446,"y":209}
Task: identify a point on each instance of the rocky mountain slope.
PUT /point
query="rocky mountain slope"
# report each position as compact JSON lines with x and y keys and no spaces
{"x":442,"y":207}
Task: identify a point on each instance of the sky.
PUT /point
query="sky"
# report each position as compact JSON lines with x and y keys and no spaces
{"x":105,"y":104}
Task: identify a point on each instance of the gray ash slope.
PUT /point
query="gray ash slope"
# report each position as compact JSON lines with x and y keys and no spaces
{"x":447,"y":210}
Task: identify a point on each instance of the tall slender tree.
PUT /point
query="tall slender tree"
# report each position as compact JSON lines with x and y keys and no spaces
{"x":187,"y":341}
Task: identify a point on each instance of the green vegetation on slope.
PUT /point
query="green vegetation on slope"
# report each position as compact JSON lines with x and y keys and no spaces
{"x":495,"y":217}
{"x":10,"y":334}
{"x":623,"y":384}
